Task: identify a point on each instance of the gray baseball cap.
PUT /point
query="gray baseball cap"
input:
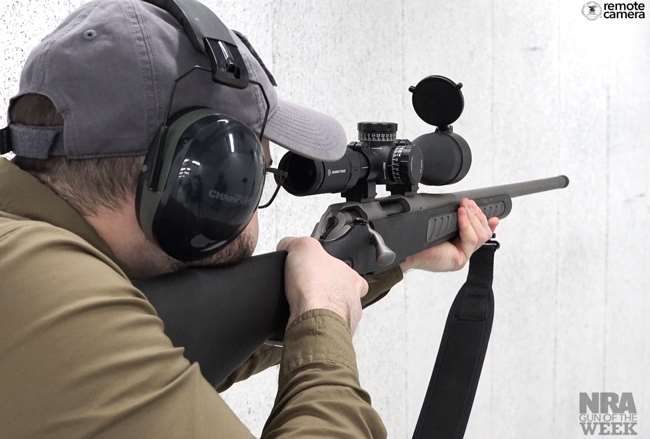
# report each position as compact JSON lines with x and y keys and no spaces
{"x":109,"y":69}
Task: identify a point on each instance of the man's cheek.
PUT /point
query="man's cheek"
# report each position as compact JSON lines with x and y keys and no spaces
{"x":253,"y":230}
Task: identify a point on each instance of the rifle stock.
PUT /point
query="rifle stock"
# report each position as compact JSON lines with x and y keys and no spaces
{"x":221,"y":315}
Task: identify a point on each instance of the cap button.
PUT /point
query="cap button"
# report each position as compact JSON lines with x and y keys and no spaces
{"x":90,"y":34}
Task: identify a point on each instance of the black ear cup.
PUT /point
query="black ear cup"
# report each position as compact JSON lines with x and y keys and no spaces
{"x":210,"y":176}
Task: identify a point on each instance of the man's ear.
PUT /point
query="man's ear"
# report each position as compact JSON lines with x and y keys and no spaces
{"x":266,"y":149}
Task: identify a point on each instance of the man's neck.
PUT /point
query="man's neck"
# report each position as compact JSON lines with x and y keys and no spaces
{"x":139,"y":257}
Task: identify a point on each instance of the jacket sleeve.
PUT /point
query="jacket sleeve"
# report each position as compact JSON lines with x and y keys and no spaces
{"x":319,"y":395}
{"x":267,"y":356}
{"x":264,"y":357}
{"x":85,"y":350}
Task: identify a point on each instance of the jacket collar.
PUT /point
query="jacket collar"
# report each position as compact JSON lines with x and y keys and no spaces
{"x":24,"y":195}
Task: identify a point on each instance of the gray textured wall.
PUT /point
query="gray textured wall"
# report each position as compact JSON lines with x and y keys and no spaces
{"x":547,"y":92}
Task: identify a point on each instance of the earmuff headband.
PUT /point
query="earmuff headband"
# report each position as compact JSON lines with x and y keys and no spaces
{"x":211,"y":37}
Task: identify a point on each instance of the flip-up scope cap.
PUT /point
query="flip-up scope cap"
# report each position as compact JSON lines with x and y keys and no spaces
{"x":438,"y":100}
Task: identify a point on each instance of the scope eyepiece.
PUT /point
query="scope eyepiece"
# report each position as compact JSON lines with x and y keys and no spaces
{"x":303,"y":176}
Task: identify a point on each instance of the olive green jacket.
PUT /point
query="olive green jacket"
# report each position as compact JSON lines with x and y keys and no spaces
{"x":83,"y":353}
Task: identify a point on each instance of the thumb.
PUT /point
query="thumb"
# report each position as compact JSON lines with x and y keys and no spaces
{"x":285,"y":243}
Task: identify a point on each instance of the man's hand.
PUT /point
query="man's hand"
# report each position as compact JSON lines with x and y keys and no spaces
{"x":474,"y":230}
{"x":316,"y":280}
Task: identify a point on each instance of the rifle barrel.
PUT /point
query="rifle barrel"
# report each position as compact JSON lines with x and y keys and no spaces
{"x":519,"y":189}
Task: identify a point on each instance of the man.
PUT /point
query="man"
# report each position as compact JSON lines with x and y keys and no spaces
{"x":82,"y":352}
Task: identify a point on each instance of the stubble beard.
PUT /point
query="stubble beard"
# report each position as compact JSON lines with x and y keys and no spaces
{"x":153,"y":261}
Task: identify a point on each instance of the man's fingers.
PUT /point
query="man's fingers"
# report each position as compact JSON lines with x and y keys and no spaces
{"x":479,"y":228}
{"x":363,"y":287}
{"x":468,"y":237}
{"x":484,"y":230}
{"x":285,"y":243}
{"x":479,"y":213}
{"x":493,"y":222}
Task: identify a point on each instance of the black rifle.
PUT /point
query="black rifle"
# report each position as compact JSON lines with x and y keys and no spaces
{"x":222,"y":315}
{"x":244,"y":305}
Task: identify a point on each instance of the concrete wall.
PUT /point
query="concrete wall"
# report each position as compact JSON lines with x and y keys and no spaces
{"x":547,"y":92}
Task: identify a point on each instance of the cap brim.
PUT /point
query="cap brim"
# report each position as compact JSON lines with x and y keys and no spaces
{"x":306,"y":132}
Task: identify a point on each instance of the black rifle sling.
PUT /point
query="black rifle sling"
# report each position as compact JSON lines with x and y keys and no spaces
{"x":448,"y":401}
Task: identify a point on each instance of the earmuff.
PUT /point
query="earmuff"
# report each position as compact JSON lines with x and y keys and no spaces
{"x":204,"y":173}
{"x":201,"y":184}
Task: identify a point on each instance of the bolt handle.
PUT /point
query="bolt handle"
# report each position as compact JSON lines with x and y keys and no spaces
{"x":384,"y":254}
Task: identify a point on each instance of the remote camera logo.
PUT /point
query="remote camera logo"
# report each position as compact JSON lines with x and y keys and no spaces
{"x":591,"y":10}
{"x":625,"y":11}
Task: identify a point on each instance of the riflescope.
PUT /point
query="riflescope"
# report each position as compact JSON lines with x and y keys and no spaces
{"x":379,"y":157}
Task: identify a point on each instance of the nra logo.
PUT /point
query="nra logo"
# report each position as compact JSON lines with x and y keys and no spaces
{"x":607,"y":413}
